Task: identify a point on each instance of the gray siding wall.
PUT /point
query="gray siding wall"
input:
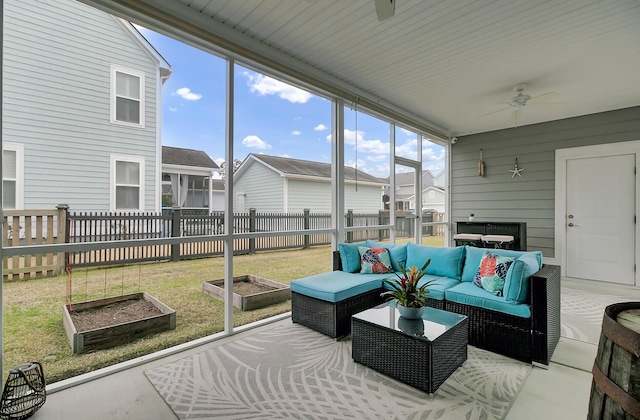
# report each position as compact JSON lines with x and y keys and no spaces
{"x":263,"y":188}
{"x":57,"y":59}
{"x":499,"y":197}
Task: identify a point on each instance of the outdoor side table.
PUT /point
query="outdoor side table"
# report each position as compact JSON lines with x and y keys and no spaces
{"x":421,"y":353}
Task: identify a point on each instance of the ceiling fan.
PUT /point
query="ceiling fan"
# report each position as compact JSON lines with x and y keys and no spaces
{"x":385,"y":9}
{"x":521,"y":100}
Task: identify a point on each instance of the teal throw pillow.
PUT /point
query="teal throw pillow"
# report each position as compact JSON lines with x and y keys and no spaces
{"x":374,"y":260}
{"x":516,"y":286}
{"x":446,"y":262}
{"x":492,"y":272}
{"x":350,"y":257}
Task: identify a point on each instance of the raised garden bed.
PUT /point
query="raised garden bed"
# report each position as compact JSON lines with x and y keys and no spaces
{"x":148,"y":317}
{"x":250,"y":292}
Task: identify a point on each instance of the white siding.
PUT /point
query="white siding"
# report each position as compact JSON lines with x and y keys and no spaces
{"x":312,"y":195}
{"x":367,"y":199}
{"x":263,"y":189}
{"x":530,"y":198}
{"x":436,"y":203}
{"x":57,"y":57}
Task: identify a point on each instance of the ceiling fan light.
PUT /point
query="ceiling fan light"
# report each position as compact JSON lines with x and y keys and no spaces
{"x":385,"y":9}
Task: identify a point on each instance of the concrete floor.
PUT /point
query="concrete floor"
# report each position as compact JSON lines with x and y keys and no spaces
{"x":559,"y":392}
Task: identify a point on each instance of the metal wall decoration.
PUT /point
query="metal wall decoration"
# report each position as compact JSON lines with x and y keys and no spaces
{"x":516,"y":171}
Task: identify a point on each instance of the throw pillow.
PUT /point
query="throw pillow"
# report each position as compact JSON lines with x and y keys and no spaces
{"x":350,"y":257}
{"x":398,"y":253}
{"x":492,"y":272}
{"x":374,"y":260}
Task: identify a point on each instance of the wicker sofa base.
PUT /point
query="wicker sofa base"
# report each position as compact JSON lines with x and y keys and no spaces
{"x":334,"y":318}
{"x":496,"y":331}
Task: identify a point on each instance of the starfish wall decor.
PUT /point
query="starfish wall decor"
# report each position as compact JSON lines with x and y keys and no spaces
{"x":516,"y":171}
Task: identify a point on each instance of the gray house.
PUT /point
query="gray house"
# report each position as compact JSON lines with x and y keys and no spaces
{"x":405,"y":190}
{"x":81,"y":124}
{"x":278,"y":184}
{"x":187,"y":180}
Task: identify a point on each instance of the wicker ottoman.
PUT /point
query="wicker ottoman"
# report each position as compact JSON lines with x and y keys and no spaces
{"x":421,"y":353}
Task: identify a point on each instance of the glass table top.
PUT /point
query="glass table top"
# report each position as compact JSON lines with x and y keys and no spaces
{"x":433,"y":324}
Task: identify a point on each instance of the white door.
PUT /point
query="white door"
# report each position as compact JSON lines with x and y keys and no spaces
{"x":600,"y":219}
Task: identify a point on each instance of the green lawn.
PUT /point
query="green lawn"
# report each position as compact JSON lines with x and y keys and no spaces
{"x":32,"y":309}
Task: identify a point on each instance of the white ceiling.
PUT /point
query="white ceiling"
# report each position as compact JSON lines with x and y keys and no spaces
{"x":450,"y":62}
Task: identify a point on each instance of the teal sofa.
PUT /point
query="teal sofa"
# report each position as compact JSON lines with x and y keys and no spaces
{"x":522,"y":322}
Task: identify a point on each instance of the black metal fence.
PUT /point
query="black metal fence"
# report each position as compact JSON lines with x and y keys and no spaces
{"x":97,"y":227}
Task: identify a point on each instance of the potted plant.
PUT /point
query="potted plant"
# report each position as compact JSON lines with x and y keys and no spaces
{"x":411,"y":299}
{"x":471,"y":217}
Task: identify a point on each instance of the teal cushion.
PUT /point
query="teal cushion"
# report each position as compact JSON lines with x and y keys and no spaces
{"x":336,"y":286}
{"x":437,"y":286}
{"x":398,"y":253}
{"x":374,"y":260}
{"x":467,"y":293}
{"x":445,"y":262}
{"x":474,"y":255}
{"x":516,"y":285}
{"x":350,"y":257}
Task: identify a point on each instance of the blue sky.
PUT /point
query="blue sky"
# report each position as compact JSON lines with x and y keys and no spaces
{"x":271,"y":117}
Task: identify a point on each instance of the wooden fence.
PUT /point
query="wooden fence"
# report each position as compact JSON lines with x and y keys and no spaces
{"x":33,"y":227}
{"x":61,"y":226}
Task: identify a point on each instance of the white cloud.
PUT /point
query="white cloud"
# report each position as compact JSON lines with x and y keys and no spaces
{"x":265,"y":85}
{"x":173,"y":109}
{"x":296,"y":132}
{"x":408,"y":149}
{"x":186,"y":93}
{"x":320,"y":127}
{"x":255,"y":142}
{"x":377,"y":147}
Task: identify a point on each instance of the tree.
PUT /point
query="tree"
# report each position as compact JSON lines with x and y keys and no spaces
{"x":223,"y":167}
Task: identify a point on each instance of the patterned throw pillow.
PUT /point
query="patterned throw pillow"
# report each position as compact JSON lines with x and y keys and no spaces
{"x":374,"y":260}
{"x":492,"y":272}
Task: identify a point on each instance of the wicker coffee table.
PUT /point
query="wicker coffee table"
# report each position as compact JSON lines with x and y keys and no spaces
{"x":421,"y":353}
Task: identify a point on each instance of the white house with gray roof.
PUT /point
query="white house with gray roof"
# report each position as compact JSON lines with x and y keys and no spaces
{"x":81,"y":124}
{"x":285,"y":185}
{"x":187,"y":180}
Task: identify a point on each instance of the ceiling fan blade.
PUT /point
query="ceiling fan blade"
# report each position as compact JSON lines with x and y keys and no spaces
{"x":544,"y":95}
{"x":516,"y":116}
{"x":385,"y":9}
{"x":494,"y":112}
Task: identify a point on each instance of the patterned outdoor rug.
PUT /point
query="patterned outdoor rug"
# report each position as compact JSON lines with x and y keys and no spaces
{"x":582,"y":313}
{"x":290,"y":371}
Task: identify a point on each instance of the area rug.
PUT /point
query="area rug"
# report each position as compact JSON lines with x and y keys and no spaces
{"x":290,"y":371}
{"x":582,"y":312}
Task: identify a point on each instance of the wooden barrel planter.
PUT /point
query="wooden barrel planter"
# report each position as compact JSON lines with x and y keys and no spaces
{"x":615,"y":390}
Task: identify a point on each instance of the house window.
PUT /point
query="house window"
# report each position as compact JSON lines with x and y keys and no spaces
{"x":127,"y":190}
{"x":127,"y":97}
{"x":12,"y":176}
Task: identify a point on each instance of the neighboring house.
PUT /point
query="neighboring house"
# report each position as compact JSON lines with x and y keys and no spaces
{"x":405,"y":189}
{"x":81,"y":110}
{"x":284,"y":185}
{"x":187,"y":180}
{"x":433,"y":199}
